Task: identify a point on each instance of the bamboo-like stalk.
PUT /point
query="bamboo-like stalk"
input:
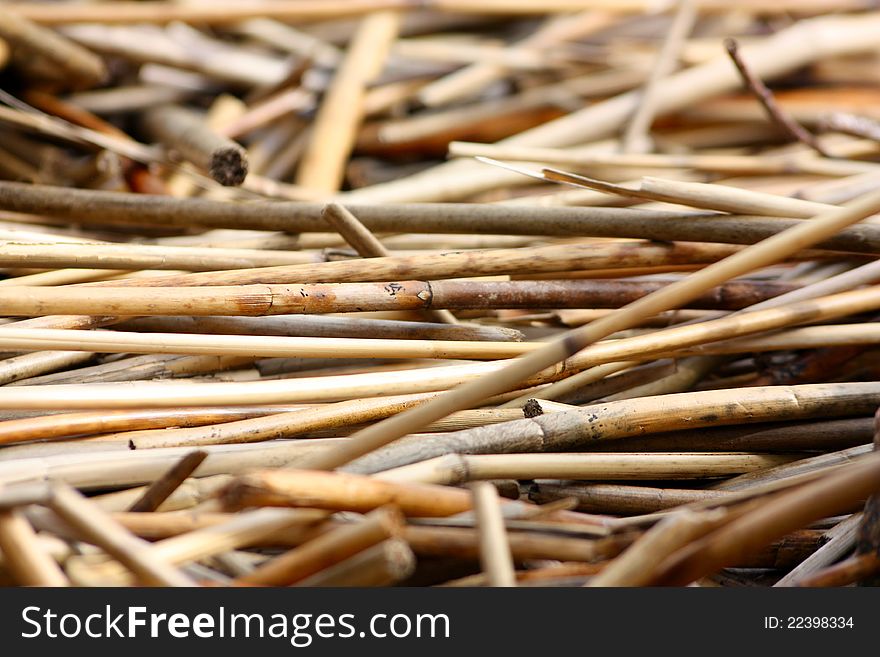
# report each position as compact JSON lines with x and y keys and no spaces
{"x":341,"y":112}
{"x":18,"y":495}
{"x":326,"y":388}
{"x":143,"y":367}
{"x":145,"y":256}
{"x":476,"y":76}
{"x":495,"y":555}
{"x":784,"y":436}
{"x":24,"y":556}
{"x":26,"y":366}
{"x":633,"y":417}
{"x":289,"y":347}
{"x":331,"y":419}
{"x":579,"y":157}
{"x":327,"y":549}
{"x":280,"y":425}
{"x":384,"y":564}
{"x":587,"y":256}
{"x":764,"y":253}
{"x":456,"y":469}
{"x":342,"y":491}
{"x":772,"y":519}
{"x":114,"y":469}
{"x":255,"y":346}
{"x":321,"y":327}
{"x":619,"y":499}
{"x":94,"y":525}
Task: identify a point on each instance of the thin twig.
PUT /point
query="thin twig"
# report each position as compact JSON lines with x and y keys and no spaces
{"x":768,"y":102}
{"x":161,"y":489}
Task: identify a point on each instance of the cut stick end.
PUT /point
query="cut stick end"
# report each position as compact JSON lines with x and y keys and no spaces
{"x":229,"y":166}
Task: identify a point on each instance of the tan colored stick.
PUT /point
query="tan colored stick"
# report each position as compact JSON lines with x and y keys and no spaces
{"x":255,"y":346}
{"x":635,"y":138}
{"x":729,"y":164}
{"x":813,"y":337}
{"x":149,"y":394}
{"x":121,"y":468}
{"x":457,"y":469}
{"x":325,"y":490}
{"x":24,"y":555}
{"x":281,"y":425}
{"x":99,"y":528}
{"x":326,"y":550}
{"x":331,"y":418}
{"x":145,"y":256}
{"x":730,"y":199}
{"x":495,"y":554}
{"x":322,"y":166}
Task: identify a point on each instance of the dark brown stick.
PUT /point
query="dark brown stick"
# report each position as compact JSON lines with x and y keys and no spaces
{"x":322,"y":327}
{"x":768,"y":102}
{"x":297,"y":217}
{"x":161,"y":489}
{"x":619,"y":499}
